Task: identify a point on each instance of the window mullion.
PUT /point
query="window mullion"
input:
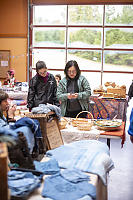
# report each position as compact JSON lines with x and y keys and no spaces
{"x":66,"y":32}
{"x":103,"y":40}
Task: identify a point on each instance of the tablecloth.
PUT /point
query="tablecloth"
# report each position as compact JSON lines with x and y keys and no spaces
{"x":106,"y":108}
{"x":71,"y":134}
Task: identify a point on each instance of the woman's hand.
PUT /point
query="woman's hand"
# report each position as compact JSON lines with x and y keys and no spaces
{"x":72,"y":96}
{"x":75,"y":95}
{"x":69,"y":95}
{"x":11,"y":111}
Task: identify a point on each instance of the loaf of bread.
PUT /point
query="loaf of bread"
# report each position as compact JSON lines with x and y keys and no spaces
{"x":112,"y":84}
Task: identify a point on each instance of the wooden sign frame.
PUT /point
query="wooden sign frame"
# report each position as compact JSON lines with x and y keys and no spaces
{"x":4,"y":62}
{"x":53,"y":134}
{"x":50,"y":129}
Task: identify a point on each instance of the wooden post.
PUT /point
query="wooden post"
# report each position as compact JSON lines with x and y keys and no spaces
{"x":3,"y":172}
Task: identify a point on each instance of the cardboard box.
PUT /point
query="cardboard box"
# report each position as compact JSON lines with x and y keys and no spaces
{"x":119,"y":91}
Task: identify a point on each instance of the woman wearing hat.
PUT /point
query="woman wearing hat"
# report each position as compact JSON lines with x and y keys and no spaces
{"x":10,"y":80}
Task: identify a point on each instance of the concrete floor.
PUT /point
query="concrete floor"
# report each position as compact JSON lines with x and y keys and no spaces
{"x":120,"y":182}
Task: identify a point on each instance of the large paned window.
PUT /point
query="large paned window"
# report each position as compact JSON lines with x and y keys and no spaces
{"x":98,"y":37}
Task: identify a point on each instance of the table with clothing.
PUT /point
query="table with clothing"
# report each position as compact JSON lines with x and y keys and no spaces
{"x":79,"y":175}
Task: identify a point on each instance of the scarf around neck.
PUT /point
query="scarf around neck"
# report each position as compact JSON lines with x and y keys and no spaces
{"x":44,"y":78}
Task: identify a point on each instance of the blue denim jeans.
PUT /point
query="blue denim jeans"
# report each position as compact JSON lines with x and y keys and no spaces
{"x":58,"y":188}
{"x":50,"y":167}
{"x":22,"y":184}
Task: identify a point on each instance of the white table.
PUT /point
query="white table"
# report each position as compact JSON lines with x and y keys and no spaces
{"x":18,"y":95}
{"x":71,"y":134}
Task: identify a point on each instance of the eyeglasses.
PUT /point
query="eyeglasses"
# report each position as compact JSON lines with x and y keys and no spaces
{"x":71,"y":71}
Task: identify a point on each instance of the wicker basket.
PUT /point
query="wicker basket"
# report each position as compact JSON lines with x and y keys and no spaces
{"x":75,"y":121}
{"x":84,"y":127}
{"x":62,"y":124}
{"x":82,"y":123}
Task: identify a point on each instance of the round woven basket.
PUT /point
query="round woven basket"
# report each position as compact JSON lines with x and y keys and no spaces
{"x":75,"y":121}
{"x":83,"y":123}
{"x":62,"y":124}
{"x":84,"y":127}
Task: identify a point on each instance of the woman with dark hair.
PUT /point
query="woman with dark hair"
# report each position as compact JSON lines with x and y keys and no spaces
{"x":42,"y":87}
{"x":57,"y":78}
{"x":73,"y":91}
{"x":23,"y":138}
{"x":30,"y":128}
{"x":5,"y":108}
{"x":130,"y":91}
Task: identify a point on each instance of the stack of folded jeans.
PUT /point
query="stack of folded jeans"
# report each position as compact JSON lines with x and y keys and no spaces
{"x":22,"y":184}
{"x":48,"y":167}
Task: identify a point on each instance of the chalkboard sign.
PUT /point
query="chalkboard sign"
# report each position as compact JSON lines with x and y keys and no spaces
{"x":53,"y":134}
{"x":4,"y":62}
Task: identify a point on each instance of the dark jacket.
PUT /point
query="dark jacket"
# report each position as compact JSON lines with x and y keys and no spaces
{"x":130,"y":92}
{"x":42,"y":93}
{"x":130,"y":129}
